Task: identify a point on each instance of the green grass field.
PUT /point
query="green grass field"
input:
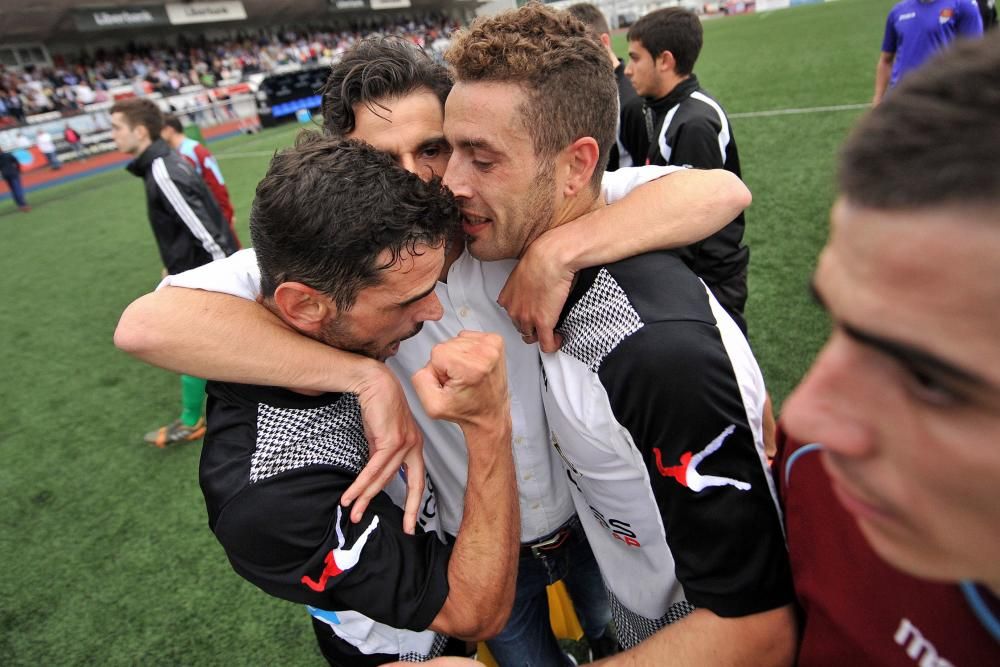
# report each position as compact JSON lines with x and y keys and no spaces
{"x":107,"y":556}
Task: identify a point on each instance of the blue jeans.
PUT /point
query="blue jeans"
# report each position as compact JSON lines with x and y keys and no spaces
{"x":16,"y":189}
{"x":527,"y":639}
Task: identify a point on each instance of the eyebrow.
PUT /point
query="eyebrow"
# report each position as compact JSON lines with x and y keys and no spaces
{"x":414,"y":299}
{"x":906,"y":354}
{"x":478,"y":143}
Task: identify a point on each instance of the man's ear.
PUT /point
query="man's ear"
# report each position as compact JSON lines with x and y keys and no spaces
{"x":580,"y":161}
{"x":303,"y":307}
{"x":666,"y":63}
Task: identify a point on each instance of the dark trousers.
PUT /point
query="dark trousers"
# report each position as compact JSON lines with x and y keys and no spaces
{"x":16,"y":189}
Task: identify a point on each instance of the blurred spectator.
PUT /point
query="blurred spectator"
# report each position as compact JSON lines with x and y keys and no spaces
{"x":10,"y":169}
{"x":988,"y":11}
{"x":43,"y":140}
{"x":15,"y":107}
{"x":72,"y":138}
{"x":73,"y":83}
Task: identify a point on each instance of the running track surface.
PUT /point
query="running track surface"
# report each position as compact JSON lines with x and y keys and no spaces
{"x":40,"y":179}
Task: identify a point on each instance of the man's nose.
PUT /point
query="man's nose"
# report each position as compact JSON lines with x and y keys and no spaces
{"x":830,"y":405}
{"x":432,"y":309}
{"x":409,"y":163}
{"x":454,"y":177}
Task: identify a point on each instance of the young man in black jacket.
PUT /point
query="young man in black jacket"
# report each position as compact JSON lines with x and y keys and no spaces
{"x":187,"y":224}
{"x":681,"y":125}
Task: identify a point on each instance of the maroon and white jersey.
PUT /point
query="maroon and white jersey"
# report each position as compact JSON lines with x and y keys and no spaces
{"x":858,"y":609}
{"x":655,"y":404}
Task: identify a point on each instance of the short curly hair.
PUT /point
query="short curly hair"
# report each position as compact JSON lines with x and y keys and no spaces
{"x":566,"y":76}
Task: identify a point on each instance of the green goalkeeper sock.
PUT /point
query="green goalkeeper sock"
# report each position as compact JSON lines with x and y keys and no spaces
{"x":192,"y":399}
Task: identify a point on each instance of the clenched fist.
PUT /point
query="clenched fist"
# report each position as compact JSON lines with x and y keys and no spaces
{"x":465,"y":381}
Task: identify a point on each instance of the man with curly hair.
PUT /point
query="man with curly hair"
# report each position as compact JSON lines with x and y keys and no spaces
{"x":654,"y":399}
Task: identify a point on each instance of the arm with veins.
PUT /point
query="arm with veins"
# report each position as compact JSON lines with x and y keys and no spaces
{"x":222,"y":337}
{"x":680,"y":207}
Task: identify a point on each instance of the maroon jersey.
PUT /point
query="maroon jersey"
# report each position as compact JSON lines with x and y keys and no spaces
{"x":857,"y":609}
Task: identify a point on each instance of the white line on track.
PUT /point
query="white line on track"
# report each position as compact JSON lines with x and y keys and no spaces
{"x":789,"y":112}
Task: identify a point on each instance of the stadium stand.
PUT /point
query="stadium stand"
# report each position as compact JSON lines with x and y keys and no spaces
{"x":223,"y":81}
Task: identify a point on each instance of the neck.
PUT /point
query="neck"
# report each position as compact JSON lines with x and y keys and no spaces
{"x":143,"y":145}
{"x":580,"y":205}
{"x":668,"y":82}
{"x":176,"y":141}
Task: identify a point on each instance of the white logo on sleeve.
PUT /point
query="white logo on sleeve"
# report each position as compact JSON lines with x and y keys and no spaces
{"x":687,"y":472}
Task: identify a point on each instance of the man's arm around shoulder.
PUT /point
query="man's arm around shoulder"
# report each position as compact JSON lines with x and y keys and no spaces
{"x":764,"y":639}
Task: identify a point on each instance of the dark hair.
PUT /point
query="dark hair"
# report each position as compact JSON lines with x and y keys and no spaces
{"x":592,"y":17}
{"x":375,"y":70}
{"x":173,"y":122}
{"x":672,"y":29}
{"x":329,"y":208}
{"x":935,"y":139}
{"x":141,"y":111}
{"x":565,"y":75}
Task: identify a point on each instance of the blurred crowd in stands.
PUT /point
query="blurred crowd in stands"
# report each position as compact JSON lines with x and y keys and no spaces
{"x":74,"y":82}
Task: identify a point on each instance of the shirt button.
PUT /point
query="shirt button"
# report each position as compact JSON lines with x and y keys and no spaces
{"x":529,"y":476}
{"x":463,"y":312}
{"x":518,"y":440}
{"x":534,"y":506}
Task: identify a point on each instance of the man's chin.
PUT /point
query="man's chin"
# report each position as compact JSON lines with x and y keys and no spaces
{"x":482,"y":250}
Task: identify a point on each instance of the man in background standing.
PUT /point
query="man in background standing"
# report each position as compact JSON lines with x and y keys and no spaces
{"x":187,"y":224}
{"x":72,"y":138}
{"x":204,"y":163}
{"x":915,"y":30}
{"x":48,"y":148}
{"x":681,"y":125}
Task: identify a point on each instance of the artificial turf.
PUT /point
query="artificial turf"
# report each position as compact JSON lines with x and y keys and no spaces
{"x":107,"y":556}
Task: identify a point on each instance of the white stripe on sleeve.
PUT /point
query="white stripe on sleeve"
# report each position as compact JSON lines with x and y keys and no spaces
{"x":724,"y":132}
{"x":184,"y":212}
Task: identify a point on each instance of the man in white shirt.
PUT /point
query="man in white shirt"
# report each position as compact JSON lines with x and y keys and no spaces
{"x":48,"y":148}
